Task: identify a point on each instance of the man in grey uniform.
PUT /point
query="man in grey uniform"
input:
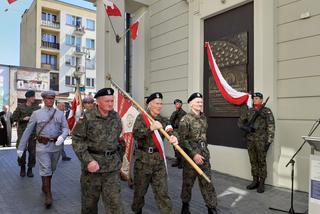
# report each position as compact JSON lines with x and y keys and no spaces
{"x":51,"y":130}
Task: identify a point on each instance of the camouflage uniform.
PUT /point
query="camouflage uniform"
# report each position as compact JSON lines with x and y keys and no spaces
{"x":21,"y":112}
{"x":258,"y":141}
{"x":149,"y":168}
{"x":192,"y":136}
{"x":97,"y":138}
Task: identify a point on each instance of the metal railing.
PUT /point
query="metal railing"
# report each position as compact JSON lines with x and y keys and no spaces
{"x":49,"y":66}
{"x":50,"y":24}
{"x":52,"y":45}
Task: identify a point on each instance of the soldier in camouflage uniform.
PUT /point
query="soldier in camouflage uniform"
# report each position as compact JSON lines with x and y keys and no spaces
{"x":174,"y":120}
{"x":96,"y":141}
{"x":258,"y":140}
{"x":21,"y":116}
{"x":149,"y":167}
{"x":192,"y":136}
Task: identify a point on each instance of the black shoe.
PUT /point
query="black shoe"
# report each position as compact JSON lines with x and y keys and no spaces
{"x":139,"y":212}
{"x":23,"y":171}
{"x":29,"y":172}
{"x":254,"y":184}
{"x":185,"y":208}
{"x":66,"y":158}
{"x":212,"y":211}
{"x":261,"y":186}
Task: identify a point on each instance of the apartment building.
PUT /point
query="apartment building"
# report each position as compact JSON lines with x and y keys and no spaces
{"x":60,"y":37}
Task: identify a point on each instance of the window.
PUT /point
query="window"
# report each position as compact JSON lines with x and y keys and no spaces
{"x":67,"y":80}
{"x":48,"y":17}
{"x":78,"y":41}
{"x":73,"y":81}
{"x":90,"y":43}
{"x":71,"y":60}
{"x":73,"y":40}
{"x":73,"y":20}
{"x":90,"y":82}
{"x":49,"y":59}
{"x":90,"y":24}
{"x":46,"y":37}
{"x":54,"y":81}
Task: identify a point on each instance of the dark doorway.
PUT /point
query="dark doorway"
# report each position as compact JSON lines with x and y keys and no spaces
{"x":234,"y":27}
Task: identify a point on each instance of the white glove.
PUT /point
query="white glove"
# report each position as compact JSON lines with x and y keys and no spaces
{"x":19,"y":153}
{"x":156,"y":125}
{"x":173,"y":140}
{"x":59,"y":141}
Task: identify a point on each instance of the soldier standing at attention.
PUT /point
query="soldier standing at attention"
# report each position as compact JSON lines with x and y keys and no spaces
{"x":51,"y":130}
{"x":22,"y":116}
{"x":192,"y":135}
{"x":174,"y":120}
{"x":149,"y":167}
{"x":96,"y":142}
{"x":259,"y":139}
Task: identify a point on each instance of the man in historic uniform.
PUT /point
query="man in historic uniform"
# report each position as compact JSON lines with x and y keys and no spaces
{"x":96,"y":141}
{"x":174,"y":120}
{"x":260,"y":134}
{"x":192,"y":136}
{"x":51,"y":130}
{"x":22,"y":116}
{"x":149,"y":167}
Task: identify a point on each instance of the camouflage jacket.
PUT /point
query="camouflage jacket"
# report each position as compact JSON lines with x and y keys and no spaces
{"x":264,"y":124}
{"x":192,"y":134}
{"x":176,"y":117}
{"x":21,"y":112}
{"x":94,"y":134}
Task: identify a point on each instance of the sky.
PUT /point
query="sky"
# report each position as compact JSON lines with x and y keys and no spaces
{"x":10,"y":17}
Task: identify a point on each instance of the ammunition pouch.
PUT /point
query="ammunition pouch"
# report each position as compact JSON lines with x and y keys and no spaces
{"x":45,"y":140}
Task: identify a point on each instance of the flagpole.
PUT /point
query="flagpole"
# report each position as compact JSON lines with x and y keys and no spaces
{"x":115,"y":34}
{"x":176,"y":146}
{"x":126,"y":31}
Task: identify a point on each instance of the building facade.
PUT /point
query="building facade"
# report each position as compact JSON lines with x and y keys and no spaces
{"x":62,"y":38}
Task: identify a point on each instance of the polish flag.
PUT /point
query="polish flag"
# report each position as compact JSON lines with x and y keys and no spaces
{"x":229,"y":93}
{"x":111,"y":8}
{"x":11,"y":1}
{"x":75,"y":110}
{"x":134,"y":30}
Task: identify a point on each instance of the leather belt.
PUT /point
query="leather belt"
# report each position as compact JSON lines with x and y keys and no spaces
{"x":149,"y":150}
{"x":107,"y":153}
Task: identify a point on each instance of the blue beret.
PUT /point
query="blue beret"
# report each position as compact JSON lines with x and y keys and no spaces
{"x":48,"y":94}
{"x":104,"y":92}
{"x":193,"y":96}
{"x":177,"y":101}
{"x":257,"y":94}
{"x":154,"y":96}
{"x":30,"y":93}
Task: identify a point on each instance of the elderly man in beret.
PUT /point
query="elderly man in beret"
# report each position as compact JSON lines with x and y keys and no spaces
{"x":192,"y":135}
{"x":22,"y":116}
{"x":174,"y":120}
{"x":88,"y":103}
{"x":51,"y":130}
{"x":97,"y":143}
{"x":149,"y":167}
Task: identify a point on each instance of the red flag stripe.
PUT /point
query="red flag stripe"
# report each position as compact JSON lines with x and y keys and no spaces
{"x":111,"y":9}
{"x":11,"y":1}
{"x":134,"y":30}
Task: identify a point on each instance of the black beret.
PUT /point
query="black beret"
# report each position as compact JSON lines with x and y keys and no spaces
{"x":177,"y":101}
{"x":193,"y":96}
{"x":154,"y":96}
{"x":104,"y":92}
{"x":257,"y":94}
{"x":29,"y":93}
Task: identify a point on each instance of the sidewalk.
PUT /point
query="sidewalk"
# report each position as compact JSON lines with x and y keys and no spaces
{"x":23,"y":195}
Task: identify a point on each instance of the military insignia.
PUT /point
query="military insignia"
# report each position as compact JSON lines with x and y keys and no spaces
{"x":198,"y":95}
{"x":157,"y":95}
{"x":109,"y":92}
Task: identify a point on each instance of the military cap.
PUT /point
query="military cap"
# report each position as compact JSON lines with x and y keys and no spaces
{"x":104,"y":92}
{"x":30,"y":93}
{"x":257,"y":94}
{"x":177,"y":101}
{"x":48,"y":94}
{"x":193,"y":96}
{"x":88,"y":99}
{"x":154,"y":96}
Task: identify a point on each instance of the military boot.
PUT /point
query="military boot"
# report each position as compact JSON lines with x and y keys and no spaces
{"x":261,"y":186}
{"x":212,"y":211}
{"x":22,"y":171}
{"x":185,"y":208}
{"x":254,"y":184}
{"x":48,"y":194}
{"x":43,"y":188}
{"x":29,"y":172}
{"x":139,"y":212}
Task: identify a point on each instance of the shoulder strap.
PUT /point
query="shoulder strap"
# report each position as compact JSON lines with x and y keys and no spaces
{"x":51,"y":117}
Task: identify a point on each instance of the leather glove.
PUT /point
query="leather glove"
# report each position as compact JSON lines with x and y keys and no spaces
{"x":266,"y":146}
{"x":156,"y":125}
{"x":19,"y":153}
{"x":59,"y":141}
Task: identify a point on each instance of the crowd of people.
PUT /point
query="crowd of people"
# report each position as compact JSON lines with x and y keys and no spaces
{"x":98,"y":143}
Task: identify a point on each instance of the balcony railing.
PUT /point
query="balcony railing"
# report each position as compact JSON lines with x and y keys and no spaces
{"x":49,"y":66}
{"x":51,"y":24}
{"x":51,"y":45}
{"x":79,"y":51}
{"x":79,"y":30}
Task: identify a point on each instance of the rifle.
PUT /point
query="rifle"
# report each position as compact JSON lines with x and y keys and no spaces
{"x":248,"y":127}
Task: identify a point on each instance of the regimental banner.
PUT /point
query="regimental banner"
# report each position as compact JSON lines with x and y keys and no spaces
{"x":32,"y":80}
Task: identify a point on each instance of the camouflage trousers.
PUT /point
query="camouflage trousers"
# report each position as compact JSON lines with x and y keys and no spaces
{"x":105,"y":184}
{"x":31,"y":148}
{"x":207,"y":189}
{"x":257,"y":156}
{"x":156,"y":175}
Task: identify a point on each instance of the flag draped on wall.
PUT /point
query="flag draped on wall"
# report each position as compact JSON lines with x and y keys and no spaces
{"x":111,"y":8}
{"x":75,"y":110}
{"x":229,"y":93}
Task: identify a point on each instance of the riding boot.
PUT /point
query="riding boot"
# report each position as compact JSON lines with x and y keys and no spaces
{"x":43,"y":188}
{"x":261,"y":186}
{"x":48,"y":194}
{"x":185,"y":208}
{"x":254,"y":184}
{"x":29,"y":172}
{"x":22,"y":171}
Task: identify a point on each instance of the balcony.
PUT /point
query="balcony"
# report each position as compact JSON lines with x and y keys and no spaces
{"x":79,"y":51}
{"x":50,"y":45}
{"x":79,"y":30}
{"x":49,"y":66}
{"x":55,"y":25}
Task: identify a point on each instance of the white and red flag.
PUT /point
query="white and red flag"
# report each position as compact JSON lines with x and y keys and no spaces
{"x":11,"y":1}
{"x":230,"y":94}
{"x":111,"y":8}
{"x":75,"y":110}
{"x":134,"y":29}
